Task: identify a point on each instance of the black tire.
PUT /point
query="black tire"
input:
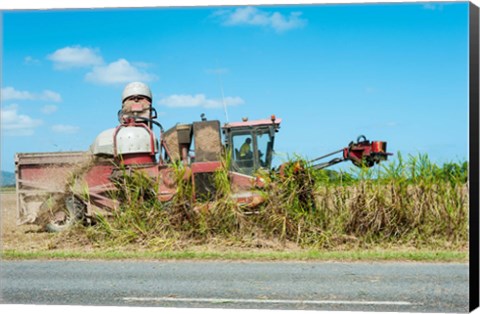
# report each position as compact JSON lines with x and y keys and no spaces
{"x":68,"y":215}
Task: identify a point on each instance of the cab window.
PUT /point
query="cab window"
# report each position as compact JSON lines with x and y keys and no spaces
{"x":264,"y":147}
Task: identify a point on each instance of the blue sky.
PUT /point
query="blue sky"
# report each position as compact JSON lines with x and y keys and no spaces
{"x":392,"y":72}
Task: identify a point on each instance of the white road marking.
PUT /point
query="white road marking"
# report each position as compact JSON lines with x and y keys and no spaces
{"x":265,"y":301}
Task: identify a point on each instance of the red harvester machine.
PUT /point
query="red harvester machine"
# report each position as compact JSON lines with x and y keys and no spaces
{"x":84,"y":180}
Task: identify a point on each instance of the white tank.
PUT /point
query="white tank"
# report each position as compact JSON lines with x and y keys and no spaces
{"x":103,"y":144}
{"x":134,"y":140}
{"x":130,"y":140}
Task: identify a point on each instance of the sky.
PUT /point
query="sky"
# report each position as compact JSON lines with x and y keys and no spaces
{"x":395,"y":72}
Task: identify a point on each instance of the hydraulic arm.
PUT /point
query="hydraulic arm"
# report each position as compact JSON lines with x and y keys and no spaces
{"x":363,"y":153}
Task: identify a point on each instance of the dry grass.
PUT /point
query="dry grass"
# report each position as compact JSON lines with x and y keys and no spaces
{"x":304,"y":208}
{"x":409,"y":205}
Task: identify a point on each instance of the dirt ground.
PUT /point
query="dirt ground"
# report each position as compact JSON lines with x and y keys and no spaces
{"x":24,"y":237}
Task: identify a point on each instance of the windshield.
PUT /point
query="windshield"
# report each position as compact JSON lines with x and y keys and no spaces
{"x":251,"y":150}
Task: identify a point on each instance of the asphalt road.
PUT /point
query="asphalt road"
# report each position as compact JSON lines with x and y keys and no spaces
{"x":386,"y":287}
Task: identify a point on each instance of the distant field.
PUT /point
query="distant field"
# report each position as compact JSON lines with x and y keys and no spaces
{"x":7,"y":179}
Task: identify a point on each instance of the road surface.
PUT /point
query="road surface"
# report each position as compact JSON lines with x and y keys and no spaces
{"x":386,"y":287}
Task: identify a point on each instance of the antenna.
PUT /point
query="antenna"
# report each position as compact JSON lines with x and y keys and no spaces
{"x":221,"y":90}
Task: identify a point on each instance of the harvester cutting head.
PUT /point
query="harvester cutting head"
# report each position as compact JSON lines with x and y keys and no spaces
{"x":362,"y":153}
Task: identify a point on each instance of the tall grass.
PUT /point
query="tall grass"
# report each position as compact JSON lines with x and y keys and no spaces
{"x":222,"y":217}
{"x":410,"y":201}
{"x":141,"y":218}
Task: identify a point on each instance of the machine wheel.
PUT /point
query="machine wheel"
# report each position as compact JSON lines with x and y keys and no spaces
{"x":66,"y":216}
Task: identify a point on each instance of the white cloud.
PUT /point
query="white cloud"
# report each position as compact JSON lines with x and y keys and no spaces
{"x":10,"y":93}
{"x":31,"y":60}
{"x":48,"y":95}
{"x":49,"y":109}
{"x":256,"y":17}
{"x":140,"y":64}
{"x":433,"y":6}
{"x":75,"y":57}
{"x":281,"y":23}
{"x":120,"y":71}
{"x":63,"y":128}
{"x":199,"y":100}
{"x":13,"y":123}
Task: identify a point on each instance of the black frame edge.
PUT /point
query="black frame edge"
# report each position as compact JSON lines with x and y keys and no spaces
{"x":474,"y":156}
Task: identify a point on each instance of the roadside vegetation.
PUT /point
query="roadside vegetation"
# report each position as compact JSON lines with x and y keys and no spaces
{"x":410,"y":203}
{"x":277,"y":255}
{"x":404,"y":209}
{"x":7,"y":189}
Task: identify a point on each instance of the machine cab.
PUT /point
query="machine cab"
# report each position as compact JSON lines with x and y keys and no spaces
{"x":250,"y":144}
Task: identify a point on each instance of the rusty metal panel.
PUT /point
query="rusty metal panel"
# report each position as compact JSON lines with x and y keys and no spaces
{"x":212,"y":166}
{"x":50,"y":158}
{"x":173,"y":138}
{"x":208,"y":144}
{"x":170,"y":140}
{"x":184,"y":132}
{"x":41,"y":174}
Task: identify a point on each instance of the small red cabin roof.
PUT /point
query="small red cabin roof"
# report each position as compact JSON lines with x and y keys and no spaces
{"x":252,"y":123}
